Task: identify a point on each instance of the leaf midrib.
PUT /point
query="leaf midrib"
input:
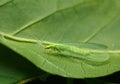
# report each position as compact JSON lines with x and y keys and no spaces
{"x":25,"y":40}
{"x":31,"y":41}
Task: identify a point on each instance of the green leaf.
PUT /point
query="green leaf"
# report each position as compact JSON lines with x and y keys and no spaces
{"x":24,"y":23}
{"x":14,"y":68}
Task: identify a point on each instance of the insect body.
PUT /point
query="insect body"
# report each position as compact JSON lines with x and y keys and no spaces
{"x":82,"y":53}
{"x":73,"y":49}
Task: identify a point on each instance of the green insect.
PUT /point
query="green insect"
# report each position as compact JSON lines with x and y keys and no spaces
{"x":82,"y":53}
{"x":73,"y":49}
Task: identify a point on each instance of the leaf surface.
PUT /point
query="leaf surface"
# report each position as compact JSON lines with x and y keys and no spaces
{"x":14,"y":68}
{"x":62,"y":21}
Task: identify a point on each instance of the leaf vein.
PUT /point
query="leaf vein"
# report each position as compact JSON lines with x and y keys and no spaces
{"x":101,"y":28}
{"x":40,"y":19}
{"x":7,"y":2}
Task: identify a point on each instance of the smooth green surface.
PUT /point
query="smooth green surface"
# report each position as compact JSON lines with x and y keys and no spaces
{"x":14,"y":68}
{"x":63,"y":21}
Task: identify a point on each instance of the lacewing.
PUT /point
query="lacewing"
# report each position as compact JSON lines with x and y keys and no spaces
{"x":95,"y":52}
